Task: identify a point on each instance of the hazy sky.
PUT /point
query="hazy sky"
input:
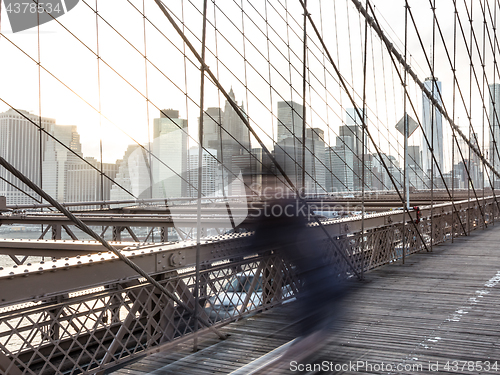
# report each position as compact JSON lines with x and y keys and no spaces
{"x":71,"y":90}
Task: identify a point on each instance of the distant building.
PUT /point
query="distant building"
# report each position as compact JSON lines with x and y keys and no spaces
{"x":210,"y":173}
{"x":262,"y":172}
{"x":288,"y":154}
{"x":57,"y":159}
{"x":395,"y":171}
{"x":339,"y":160}
{"x":212,"y":123}
{"x":20,"y":145}
{"x":416,"y":176}
{"x":290,"y":121}
{"x":432,"y":125}
{"x":133,"y":175}
{"x":169,"y":160}
{"x":315,"y":161}
{"x":289,"y":149}
{"x":236,"y":138}
{"x":226,"y":132}
{"x":349,"y":145}
{"x":84,"y":181}
{"x":494,"y":129}
{"x":67,"y":177}
{"x":472,"y":164}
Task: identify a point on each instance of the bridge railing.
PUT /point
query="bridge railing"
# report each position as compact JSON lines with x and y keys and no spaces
{"x":87,"y":314}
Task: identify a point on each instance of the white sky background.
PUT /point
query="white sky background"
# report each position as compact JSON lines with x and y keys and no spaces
{"x":124,"y":108}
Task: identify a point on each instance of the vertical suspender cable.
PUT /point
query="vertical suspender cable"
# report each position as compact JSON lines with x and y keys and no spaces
{"x":40,"y":124}
{"x":484,"y":110}
{"x":351,"y":99}
{"x":363,"y":152}
{"x":495,"y":121}
{"x":406,"y":192}
{"x":433,"y":117}
{"x":245,"y":65}
{"x":101,"y":179}
{"x":150,"y":158}
{"x":200,"y":177}
{"x":252,"y":131}
{"x":304,"y":83}
{"x":150,"y":161}
{"x":470,"y":119}
{"x":454,"y":70}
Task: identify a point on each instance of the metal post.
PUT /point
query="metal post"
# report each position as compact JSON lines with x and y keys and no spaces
{"x":200,"y":177}
{"x":405,"y":182}
{"x":453,"y":133}
{"x":433,"y":117}
{"x":304,"y":71}
{"x":363,"y":152}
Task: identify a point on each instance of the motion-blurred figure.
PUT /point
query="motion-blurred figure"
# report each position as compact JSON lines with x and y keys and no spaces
{"x":283,"y":225}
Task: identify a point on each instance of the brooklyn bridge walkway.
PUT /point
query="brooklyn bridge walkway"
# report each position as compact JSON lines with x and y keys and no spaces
{"x":438,"y":311}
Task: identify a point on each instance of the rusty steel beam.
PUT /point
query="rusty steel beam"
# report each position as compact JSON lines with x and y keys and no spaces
{"x":55,"y":248}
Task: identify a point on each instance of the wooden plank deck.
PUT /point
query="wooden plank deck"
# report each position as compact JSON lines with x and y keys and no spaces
{"x":438,"y":308}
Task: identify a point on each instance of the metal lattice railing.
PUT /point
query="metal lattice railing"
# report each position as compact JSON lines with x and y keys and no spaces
{"x":88,"y":331}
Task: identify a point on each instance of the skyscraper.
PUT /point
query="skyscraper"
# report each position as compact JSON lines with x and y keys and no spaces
{"x":57,"y":159}
{"x":289,"y":148}
{"x":288,"y":153}
{"x":169,"y":167}
{"x":415,"y":175}
{"x":225,"y":132}
{"x":350,"y":141}
{"x":394,"y":170}
{"x":133,"y":175}
{"x":209,"y":173}
{"x":494,"y":127}
{"x":84,"y":181}
{"x":290,"y":120}
{"x":237,"y":141}
{"x":339,"y":160}
{"x":21,"y":146}
{"x":432,"y":125}
{"x":212,"y":122}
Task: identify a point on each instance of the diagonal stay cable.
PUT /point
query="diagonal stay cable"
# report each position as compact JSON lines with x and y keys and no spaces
{"x":65,"y":146}
{"x":469,"y":49}
{"x":278,"y":72}
{"x":455,"y":81}
{"x":426,"y":91}
{"x":342,"y":81}
{"x":21,"y":190}
{"x":312,"y":42}
{"x":469,"y":177}
{"x":423,"y":133}
{"x":149,"y":101}
{"x":96,"y":110}
{"x":159,"y":70}
{"x":85,"y":228}
{"x":312,"y":109}
{"x":243,"y":118}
